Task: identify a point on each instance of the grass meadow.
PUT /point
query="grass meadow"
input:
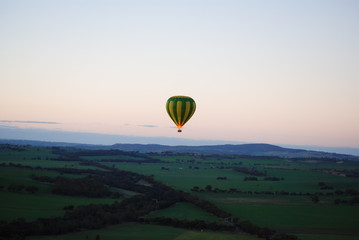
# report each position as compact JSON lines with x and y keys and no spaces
{"x":146,"y":232}
{"x":42,"y":204}
{"x":292,"y":214}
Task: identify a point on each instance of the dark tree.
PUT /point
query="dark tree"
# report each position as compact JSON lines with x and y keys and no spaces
{"x":208,"y":188}
{"x":80,"y":187}
{"x":15,"y":188}
{"x":315,"y":199}
{"x":195,"y":189}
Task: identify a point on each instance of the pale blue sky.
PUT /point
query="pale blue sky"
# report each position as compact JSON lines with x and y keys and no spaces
{"x":280,"y":72}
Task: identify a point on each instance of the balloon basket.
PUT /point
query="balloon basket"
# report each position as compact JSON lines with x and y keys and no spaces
{"x":179,"y":130}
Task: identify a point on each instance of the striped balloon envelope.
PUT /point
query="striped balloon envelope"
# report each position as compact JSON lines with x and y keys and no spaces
{"x":180,"y":109}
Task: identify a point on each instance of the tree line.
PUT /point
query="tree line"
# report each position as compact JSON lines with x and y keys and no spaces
{"x":249,"y":171}
{"x":70,"y":154}
{"x":13,"y":187}
{"x":209,"y":188}
{"x":86,"y":187}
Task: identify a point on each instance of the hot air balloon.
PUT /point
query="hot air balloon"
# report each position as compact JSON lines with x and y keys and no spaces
{"x":180,"y":109}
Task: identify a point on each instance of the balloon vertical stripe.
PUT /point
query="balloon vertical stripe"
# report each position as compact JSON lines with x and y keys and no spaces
{"x":179,"y":112}
{"x":170,"y":110}
{"x":193,"y":109}
{"x":180,"y":109}
{"x":187,"y":111}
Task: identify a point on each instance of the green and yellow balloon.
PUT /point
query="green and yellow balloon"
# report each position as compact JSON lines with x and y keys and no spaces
{"x":180,"y":109}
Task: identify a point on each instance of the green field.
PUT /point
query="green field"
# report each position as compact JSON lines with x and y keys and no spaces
{"x":285,"y":205}
{"x":298,"y":177}
{"x":33,"y":206}
{"x":146,"y":232}
{"x":292,"y":214}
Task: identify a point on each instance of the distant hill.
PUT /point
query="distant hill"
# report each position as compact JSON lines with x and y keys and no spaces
{"x":254,"y":149}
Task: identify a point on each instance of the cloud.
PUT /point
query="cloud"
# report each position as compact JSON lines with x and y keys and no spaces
{"x":35,"y":122}
{"x":7,"y":126}
{"x":148,"y":126}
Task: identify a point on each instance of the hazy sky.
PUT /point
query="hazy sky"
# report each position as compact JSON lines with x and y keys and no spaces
{"x":280,"y":72}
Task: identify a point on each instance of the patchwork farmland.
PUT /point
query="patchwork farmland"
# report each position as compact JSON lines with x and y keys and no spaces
{"x":73,"y":193}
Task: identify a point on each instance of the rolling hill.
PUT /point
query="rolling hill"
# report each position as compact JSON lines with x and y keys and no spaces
{"x":254,"y":149}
